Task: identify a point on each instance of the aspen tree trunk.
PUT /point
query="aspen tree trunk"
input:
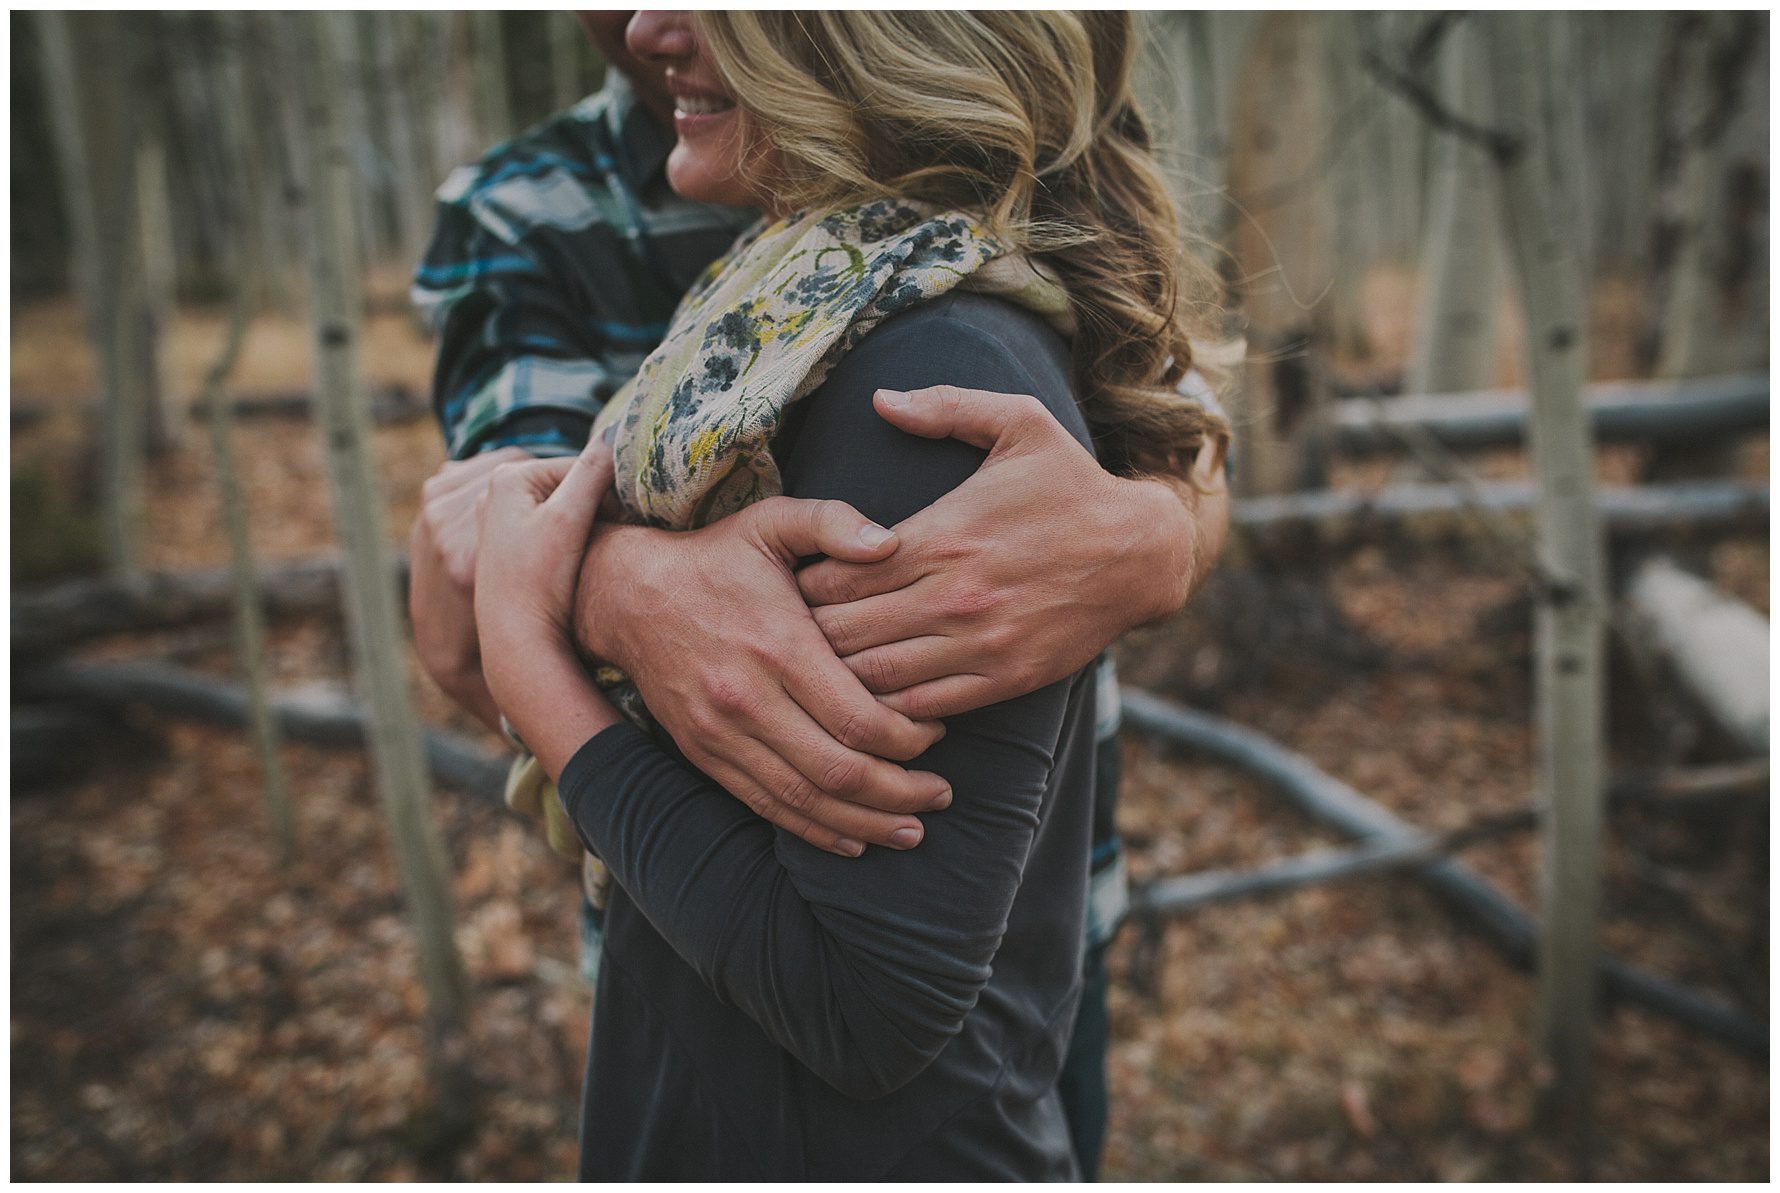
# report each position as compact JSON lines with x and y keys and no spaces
{"x":1529,"y":57}
{"x":410,"y":190}
{"x":65,"y":99}
{"x":1455,"y":342}
{"x":255,"y":198}
{"x":1185,"y":92}
{"x":489,"y":66}
{"x":1189,"y":77}
{"x":1403,"y":160}
{"x":366,"y":168}
{"x":1714,"y":313}
{"x":250,"y":46}
{"x":1281,"y":249}
{"x":455,"y":125}
{"x":370,"y":579}
{"x":568,"y":77}
{"x":154,"y":235}
{"x":1622,"y":51}
{"x":190,"y":76}
{"x":249,"y":617}
{"x":86,"y":65}
{"x":225,"y":158}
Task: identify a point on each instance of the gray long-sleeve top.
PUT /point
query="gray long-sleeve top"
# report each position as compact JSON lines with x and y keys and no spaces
{"x":770,"y":1011}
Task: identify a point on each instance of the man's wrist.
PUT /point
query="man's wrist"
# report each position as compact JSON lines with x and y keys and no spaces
{"x":1160,"y":510}
{"x":613,"y":566}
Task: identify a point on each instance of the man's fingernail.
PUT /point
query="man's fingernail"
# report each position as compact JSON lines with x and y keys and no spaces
{"x":942,"y":800}
{"x":893,"y":397}
{"x":610,"y":433}
{"x":906,"y":838}
{"x":849,"y":847}
{"x":873,"y":535}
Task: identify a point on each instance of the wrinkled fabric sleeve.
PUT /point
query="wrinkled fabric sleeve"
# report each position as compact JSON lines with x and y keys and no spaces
{"x":862,"y":968}
{"x":517,"y":364}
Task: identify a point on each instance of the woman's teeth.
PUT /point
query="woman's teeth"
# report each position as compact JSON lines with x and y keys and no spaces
{"x":701,"y":105}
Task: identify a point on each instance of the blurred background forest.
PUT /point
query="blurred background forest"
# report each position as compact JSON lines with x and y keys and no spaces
{"x":1441,"y":236}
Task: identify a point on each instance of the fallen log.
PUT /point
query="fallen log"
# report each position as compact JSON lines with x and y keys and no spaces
{"x":1662,"y":791}
{"x":1713,"y":643}
{"x":321,"y":715}
{"x":1694,"y":786}
{"x":391,"y":406}
{"x":54,"y":618}
{"x":1694,"y":506}
{"x":1670,"y":411}
{"x":1334,"y":803}
{"x":1189,"y":892}
{"x":55,"y":741}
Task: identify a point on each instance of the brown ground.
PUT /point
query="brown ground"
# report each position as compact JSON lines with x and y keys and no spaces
{"x":181,"y":1008}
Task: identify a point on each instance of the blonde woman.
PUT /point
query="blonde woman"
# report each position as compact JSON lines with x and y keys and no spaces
{"x":966,"y":198}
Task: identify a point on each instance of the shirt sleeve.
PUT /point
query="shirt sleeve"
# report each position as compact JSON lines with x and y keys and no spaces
{"x":518,"y":363}
{"x":862,"y":968}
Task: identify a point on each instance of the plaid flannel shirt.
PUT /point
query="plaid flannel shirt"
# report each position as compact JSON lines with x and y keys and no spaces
{"x":556,"y":262}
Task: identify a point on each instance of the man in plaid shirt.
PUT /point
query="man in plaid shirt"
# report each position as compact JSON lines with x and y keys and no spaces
{"x":556,"y":263}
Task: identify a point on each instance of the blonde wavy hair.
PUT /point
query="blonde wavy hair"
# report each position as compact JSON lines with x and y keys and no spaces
{"x":1026,"y":117}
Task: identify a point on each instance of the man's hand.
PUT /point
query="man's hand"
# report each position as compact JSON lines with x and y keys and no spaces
{"x":441,"y":578}
{"x":711,"y":628}
{"x":1021,"y":575}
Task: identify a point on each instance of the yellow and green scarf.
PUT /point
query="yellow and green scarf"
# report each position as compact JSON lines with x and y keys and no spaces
{"x":760,"y":330}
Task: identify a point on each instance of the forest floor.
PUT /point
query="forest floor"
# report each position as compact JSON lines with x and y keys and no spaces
{"x":183,"y":1008}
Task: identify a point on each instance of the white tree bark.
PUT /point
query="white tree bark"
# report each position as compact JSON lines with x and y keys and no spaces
{"x":490,"y":69}
{"x":86,"y":68}
{"x":249,"y":617}
{"x":1620,"y":58}
{"x":1529,"y":61}
{"x":276,"y":41}
{"x":568,"y":45}
{"x":1455,"y":341}
{"x":410,"y":191}
{"x":455,"y":127}
{"x":154,"y":237}
{"x":1282,"y":251}
{"x":1187,"y":80}
{"x":368,"y":174}
{"x":1715,"y":312}
{"x":371,"y":602}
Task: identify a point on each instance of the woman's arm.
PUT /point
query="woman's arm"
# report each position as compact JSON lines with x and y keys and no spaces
{"x":863,"y":969}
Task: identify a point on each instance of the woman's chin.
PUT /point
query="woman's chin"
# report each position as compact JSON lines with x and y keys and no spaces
{"x":694,"y":177}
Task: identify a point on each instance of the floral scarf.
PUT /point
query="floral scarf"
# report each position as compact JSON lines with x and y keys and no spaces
{"x":765,"y":326}
{"x":760,"y":330}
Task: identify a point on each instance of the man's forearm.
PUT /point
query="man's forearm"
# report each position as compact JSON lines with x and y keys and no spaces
{"x":612,"y":560}
{"x":1182,"y":528}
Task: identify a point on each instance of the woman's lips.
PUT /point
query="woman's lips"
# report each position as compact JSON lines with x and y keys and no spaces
{"x":695,"y":106}
{"x":702,"y":105}
{"x":695,"y":116}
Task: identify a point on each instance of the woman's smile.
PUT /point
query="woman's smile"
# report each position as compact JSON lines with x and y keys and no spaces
{"x":697,"y":108}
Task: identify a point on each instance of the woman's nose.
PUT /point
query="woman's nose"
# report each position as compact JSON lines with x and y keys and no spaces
{"x":660,"y":36}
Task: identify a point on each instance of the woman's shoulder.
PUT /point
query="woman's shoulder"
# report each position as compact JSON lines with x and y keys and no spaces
{"x":834,"y":443}
{"x":973,"y":341}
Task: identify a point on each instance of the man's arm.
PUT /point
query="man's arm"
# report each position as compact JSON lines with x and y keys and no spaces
{"x":1026,"y":572}
{"x":517,"y":374}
